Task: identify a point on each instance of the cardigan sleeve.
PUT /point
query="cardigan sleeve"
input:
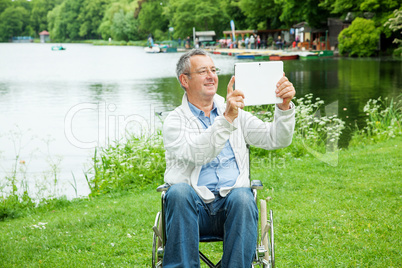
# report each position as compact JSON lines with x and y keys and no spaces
{"x":269,"y":135}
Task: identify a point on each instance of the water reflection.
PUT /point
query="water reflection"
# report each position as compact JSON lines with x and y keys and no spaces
{"x":99,"y":90}
{"x":3,"y":89}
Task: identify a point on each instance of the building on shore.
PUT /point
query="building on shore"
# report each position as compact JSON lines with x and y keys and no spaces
{"x":44,"y":36}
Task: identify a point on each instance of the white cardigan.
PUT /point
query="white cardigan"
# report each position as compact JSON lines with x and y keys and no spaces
{"x":189,"y":146}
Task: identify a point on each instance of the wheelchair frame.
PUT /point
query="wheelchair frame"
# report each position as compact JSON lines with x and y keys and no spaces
{"x":264,"y":254}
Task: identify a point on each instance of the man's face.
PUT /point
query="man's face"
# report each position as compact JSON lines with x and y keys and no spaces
{"x":202,"y":85}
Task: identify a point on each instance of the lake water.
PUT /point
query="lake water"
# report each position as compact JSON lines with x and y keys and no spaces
{"x":57,"y":106}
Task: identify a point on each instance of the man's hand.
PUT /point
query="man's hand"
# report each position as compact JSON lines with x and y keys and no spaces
{"x":286,"y":91}
{"x":234,"y":101}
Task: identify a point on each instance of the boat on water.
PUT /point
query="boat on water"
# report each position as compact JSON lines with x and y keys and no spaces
{"x":308,"y":55}
{"x":246,"y":56}
{"x":165,"y":46}
{"x":58,"y":48}
{"x":283,"y":57}
{"x":154,"y":49}
{"x":325,"y":53}
{"x":253,"y":56}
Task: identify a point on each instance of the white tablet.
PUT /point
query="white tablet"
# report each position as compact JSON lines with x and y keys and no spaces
{"x":258,"y":81}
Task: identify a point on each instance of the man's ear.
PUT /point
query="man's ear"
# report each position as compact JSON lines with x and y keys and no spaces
{"x":184,"y":80}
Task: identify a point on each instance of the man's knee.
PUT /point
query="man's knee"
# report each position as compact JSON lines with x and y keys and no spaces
{"x":242,"y":199}
{"x":179,"y":194}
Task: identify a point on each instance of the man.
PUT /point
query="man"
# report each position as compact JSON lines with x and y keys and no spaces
{"x":279,"y":43}
{"x":207,"y":164}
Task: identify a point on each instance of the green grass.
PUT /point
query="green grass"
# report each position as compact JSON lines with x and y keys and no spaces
{"x":325,"y":216}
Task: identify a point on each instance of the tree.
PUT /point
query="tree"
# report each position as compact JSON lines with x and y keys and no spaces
{"x":39,"y":13}
{"x":91,"y":15}
{"x":124,"y":26}
{"x":13,"y":22}
{"x":203,"y":15}
{"x":57,"y":27}
{"x":4,"y":4}
{"x":64,"y":21}
{"x":295,"y":11}
{"x":359,"y":39}
{"x":395,"y":25}
{"x":378,"y":10}
{"x":262,"y":14}
{"x":232,"y":10}
{"x":152,"y":18}
{"x":112,"y":22}
{"x":341,"y":6}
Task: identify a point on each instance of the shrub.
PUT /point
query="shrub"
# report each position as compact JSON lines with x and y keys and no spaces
{"x":395,"y":24}
{"x":14,"y":206}
{"x":313,"y":130}
{"x":382,"y":123}
{"x":138,"y":163}
{"x":359,"y":39}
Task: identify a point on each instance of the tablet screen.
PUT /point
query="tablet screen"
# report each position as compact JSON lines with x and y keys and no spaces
{"x":258,"y":81}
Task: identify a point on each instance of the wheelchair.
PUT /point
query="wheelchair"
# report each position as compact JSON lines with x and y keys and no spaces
{"x":264,"y":252}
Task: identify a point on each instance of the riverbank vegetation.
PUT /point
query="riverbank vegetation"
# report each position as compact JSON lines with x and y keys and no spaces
{"x":332,"y":207}
{"x":125,"y":20}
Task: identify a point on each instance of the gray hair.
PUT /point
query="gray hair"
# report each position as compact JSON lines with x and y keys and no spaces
{"x":184,"y":65}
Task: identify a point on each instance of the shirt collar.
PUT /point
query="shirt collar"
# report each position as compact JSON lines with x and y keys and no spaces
{"x":197,"y":112}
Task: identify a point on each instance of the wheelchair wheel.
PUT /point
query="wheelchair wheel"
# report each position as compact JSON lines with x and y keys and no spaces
{"x":267,"y":237}
{"x":271,"y":238}
{"x":157,"y":243}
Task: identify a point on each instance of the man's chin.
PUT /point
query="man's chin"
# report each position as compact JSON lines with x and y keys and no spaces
{"x":210,"y":89}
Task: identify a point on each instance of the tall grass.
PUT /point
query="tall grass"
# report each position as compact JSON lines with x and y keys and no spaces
{"x":314,"y":130}
{"x":16,"y":197}
{"x":136,"y":164}
{"x":382,"y":123}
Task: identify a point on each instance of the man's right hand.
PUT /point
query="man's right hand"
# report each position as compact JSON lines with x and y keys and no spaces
{"x":234,"y":101}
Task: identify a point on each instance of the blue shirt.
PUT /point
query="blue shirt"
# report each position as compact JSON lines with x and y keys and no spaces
{"x":223,"y":170}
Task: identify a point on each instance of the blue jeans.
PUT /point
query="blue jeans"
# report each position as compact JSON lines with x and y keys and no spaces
{"x":234,"y":217}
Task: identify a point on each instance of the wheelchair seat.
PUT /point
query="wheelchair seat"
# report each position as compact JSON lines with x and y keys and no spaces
{"x":264,"y":256}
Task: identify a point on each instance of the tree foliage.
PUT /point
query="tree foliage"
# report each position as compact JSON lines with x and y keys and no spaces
{"x":359,"y":39}
{"x":203,"y":15}
{"x":13,"y":22}
{"x":152,"y":18}
{"x":395,"y":25}
{"x":262,"y":13}
{"x":135,"y":19}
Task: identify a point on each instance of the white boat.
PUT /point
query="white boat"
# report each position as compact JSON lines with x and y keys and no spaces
{"x":154,"y":49}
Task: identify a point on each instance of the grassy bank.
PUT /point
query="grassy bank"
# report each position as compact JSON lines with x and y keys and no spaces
{"x":332,"y":208}
{"x":343,"y":216}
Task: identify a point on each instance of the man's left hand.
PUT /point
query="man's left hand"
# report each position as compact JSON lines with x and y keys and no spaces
{"x":286,"y":91}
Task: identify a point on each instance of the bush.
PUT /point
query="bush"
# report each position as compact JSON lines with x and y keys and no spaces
{"x":136,"y":164}
{"x":383,"y":121}
{"x":14,"y":206}
{"x":314,"y":131}
{"x":359,"y":39}
{"x":395,"y":24}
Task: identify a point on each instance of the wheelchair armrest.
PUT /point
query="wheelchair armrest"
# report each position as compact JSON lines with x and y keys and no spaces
{"x":256,"y":184}
{"x":163,"y":187}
